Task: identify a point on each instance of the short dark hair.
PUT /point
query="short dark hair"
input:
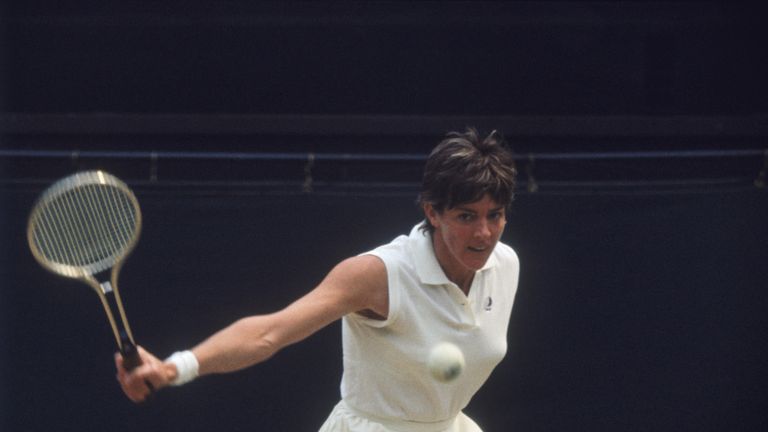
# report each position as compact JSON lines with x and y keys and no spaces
{"x":463,"y":168}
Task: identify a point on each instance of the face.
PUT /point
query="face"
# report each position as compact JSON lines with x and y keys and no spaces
{"x":465,"y":235}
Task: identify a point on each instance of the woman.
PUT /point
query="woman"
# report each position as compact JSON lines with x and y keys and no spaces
{"x":449,"y":280}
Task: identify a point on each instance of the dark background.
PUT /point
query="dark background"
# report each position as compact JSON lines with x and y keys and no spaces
{"x":266,"y":141}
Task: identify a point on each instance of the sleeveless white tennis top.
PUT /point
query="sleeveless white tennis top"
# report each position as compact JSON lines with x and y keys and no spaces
{"x":385,"y":380}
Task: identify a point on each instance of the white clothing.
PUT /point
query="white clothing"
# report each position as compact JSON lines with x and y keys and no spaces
{"x":386,"y":380}
{"x":345,"y":419}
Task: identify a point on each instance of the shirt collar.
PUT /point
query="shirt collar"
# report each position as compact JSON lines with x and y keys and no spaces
{"x":427,"y":267}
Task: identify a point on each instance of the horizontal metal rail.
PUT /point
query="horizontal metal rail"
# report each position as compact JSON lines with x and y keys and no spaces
{"x":366,"y":157}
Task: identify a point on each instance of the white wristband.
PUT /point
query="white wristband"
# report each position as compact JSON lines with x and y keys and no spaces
{"x":186,"y":366}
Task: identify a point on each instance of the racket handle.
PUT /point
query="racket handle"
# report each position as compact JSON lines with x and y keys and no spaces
{"x":131,"y":358}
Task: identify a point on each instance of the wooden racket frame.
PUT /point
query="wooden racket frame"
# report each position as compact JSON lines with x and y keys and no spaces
{"x":92,"y":274}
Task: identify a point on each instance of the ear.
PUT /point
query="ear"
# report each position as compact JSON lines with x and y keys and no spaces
{"x":431,"y":215}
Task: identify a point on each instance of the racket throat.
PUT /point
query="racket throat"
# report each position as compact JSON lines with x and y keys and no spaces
{"x":116,"y":315}
{"x":106,"y":287}
{"x":110,"y":297}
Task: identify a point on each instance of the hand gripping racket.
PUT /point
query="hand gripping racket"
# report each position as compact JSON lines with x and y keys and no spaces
{"x":82,"y":227}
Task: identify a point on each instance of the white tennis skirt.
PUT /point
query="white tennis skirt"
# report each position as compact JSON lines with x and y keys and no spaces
{"x":345,"y":419}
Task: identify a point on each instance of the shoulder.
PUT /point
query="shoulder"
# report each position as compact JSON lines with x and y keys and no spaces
{"x":394,"y":255}
{"x":360,"y":267}
{"x":506,"y":254}
{"x":395,"y":247}
{"x":360,"y":282}
{"x":361,"y":270}
{"x":507,"y":259}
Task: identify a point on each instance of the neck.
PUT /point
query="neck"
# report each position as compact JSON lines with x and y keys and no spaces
{"x":463,"y":283}
{"x":453,"y":270}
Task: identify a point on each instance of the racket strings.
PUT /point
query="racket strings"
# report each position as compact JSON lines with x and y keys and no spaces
{"x":89,"y":225}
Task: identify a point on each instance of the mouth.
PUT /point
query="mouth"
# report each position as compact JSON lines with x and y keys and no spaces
{"x":477,"y":249}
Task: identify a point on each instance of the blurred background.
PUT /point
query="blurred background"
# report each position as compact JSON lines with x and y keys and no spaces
{"x":266,"y":141}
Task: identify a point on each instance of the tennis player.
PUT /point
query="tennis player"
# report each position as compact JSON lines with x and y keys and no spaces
{"x":449,"y":280}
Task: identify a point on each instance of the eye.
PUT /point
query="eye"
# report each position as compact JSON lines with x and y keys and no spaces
{"x":495,"y":216}
{"x":466,"y":217}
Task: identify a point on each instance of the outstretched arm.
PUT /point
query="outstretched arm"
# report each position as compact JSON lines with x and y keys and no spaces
{"x":355,"y":284}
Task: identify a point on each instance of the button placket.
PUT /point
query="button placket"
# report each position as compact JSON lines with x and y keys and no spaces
{"x":464,"y":303}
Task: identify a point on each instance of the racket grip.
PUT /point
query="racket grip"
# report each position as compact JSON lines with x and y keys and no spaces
{"x":131,"y":358}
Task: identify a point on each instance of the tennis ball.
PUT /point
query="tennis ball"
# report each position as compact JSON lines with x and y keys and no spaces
{"x":445,"y":362}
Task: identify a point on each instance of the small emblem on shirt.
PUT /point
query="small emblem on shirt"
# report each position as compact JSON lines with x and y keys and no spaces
{"x":488,"y":303}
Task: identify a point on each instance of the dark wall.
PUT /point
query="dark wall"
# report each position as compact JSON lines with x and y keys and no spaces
{"x":641,"y":303}
{"x":386,"y":57}
{"x":635,"y":312}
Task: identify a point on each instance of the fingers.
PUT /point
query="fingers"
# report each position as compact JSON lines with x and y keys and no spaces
{"x":139,"y":383}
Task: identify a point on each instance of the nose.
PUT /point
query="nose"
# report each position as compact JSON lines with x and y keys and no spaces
{"x":483,"y":230}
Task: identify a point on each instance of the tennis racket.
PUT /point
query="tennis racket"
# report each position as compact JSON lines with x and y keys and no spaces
{"x":83,"y":227}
